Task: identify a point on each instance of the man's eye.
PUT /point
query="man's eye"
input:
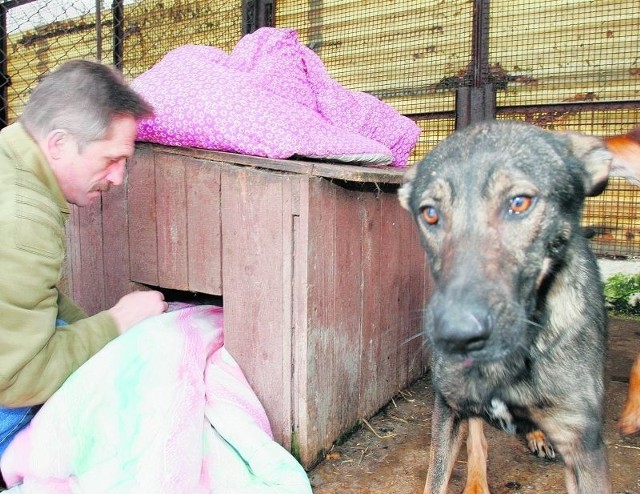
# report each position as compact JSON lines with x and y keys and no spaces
{"x":430,"y":215}
{"x":520,"y":204}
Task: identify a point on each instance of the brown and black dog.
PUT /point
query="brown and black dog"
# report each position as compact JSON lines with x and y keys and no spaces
{"x":626,"y":163}
{"x":516,"y":322}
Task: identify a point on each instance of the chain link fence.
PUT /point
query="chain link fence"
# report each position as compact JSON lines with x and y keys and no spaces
{"x":560,"y":64}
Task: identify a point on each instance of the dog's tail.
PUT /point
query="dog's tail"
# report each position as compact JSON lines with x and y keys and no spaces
{"x":626,"y":155}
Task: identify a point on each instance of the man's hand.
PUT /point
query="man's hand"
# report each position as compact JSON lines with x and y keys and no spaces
{"x":137,"y":306}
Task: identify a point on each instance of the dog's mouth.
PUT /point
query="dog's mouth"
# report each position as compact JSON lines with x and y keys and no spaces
{"x":473,"y":358}
{"x":474,"y":334}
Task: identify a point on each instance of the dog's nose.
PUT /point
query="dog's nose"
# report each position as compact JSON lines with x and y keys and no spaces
{"x":463,"y":330}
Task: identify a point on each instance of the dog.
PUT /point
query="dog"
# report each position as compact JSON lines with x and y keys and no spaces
{"x":516,"y":322}
{"x":626,"y":163}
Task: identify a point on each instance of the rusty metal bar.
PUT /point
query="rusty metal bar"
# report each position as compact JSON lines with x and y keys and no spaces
{"x":5,"y":81}
{"x":257,"y":14}
{"x":571,"y":107}
{"x":117,"y":11}
{"x":477,"y":102}
{"x":9,"y":4}
{"x":480,"y":43}
{"x":99,"y":30}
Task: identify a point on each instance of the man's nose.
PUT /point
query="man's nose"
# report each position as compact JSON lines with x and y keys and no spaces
{"x":117,"y":172}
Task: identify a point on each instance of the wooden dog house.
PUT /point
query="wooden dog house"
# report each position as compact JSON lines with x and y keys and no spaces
{"x":320,"y":271}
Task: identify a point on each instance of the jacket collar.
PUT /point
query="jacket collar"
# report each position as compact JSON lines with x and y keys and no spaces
{"x":29,"y":157}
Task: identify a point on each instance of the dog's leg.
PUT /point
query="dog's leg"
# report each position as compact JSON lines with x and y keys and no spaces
{"x":587,"y":473}
{"x":446,"y":436}
{"x":630,"y":420}
{"x":476,"y":459}
{"x":584,"y":455}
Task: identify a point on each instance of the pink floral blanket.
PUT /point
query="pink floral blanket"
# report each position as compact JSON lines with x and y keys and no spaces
{"x":163,"y":409}
{"x":272,"y":97}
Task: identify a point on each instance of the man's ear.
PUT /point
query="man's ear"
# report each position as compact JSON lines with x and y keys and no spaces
{"x":595,"y":156}
{"x":55,"y":143}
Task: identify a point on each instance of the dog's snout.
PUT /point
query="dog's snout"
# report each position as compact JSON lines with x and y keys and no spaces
{"x":463,"y":330}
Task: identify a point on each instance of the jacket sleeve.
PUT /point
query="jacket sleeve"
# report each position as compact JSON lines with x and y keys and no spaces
{"x":68,"y":311}
{"x":35,"y":357}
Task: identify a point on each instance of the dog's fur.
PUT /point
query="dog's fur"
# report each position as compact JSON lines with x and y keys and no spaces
{"x":516,"y":322}
{"x":626,"y":163}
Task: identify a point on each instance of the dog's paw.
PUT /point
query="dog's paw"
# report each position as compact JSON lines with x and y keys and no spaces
{"x":629,"y":422}
{"x":539,"y":445}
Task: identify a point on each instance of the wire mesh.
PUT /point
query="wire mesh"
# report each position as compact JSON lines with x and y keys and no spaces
{"x":152,"y":28}
{"x":408,"y":53}
{"x":559,"y":64}
{"x":42,"y":34}
{"x":551,"y":51}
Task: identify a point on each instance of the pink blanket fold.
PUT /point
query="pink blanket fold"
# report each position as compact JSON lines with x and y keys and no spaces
{"x":163,"y":409}
{"x":272,"y":97}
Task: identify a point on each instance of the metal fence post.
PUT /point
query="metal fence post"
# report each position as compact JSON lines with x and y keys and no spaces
{"x":478,"y":101}
{"x":5,"y":81}
{"x":257,"y":14}
{"x":117,"y":11}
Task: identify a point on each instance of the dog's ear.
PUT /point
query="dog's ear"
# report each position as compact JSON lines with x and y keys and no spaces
{"x":596,"y":158}
{"x":404,"y":192}
{"x":626,"y":155}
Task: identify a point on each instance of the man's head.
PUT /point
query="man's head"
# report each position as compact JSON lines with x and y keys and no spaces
{"x":83,"y":116}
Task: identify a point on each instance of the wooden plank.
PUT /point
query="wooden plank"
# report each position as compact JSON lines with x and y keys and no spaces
{"x":346,"y":328}
{"x":411,"y":272}
{"x":253,"y":282}
{"x":290,"y":223}
{"x":71,"y":264}
{"x":171,"y":218}
{"x":350,"y":173}
{"x":89,"y":289}
{"x":419,"y":287}
{"x":204,"y":235}
{"x":322,"y":345}
{"x":300,"y":303}
{"x":141,"y":196}
{"x":372,"y":351}
{"x":391,"y":293}
{"x":334,"y":333}
{"x":116,"y":255}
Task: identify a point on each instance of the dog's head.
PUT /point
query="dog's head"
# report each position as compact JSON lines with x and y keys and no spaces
{"x":498,"y":207}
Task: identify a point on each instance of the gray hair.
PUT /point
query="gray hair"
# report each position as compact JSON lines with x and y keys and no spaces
{"x":81,"y":97}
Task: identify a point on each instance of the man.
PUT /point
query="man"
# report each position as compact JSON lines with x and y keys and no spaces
{"x":70,"y":145}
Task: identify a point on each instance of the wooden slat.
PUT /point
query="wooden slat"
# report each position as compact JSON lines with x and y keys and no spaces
{"x":72,"y":261}
{"x":350,"y":173}
{"x":204,"y":236}
{"x":412,"y":272}
{"x":89,"y":288}
{"x":334,"y":307}
{"x":300,"y":306}
{"x":115,"y":234}
{"x":346,"y":327}
{"x":171,"y":218}
{"x":322,"y":362}
{"x":141,"y":196}
{"x":253,"y":287}
{"x":419,"y":283}
{"x":373,"y":383}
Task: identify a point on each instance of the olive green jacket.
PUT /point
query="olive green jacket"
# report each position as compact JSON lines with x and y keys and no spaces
{"x":35,"y":357}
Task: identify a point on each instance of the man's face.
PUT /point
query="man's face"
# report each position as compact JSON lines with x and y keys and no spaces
{"x":84,"y":175}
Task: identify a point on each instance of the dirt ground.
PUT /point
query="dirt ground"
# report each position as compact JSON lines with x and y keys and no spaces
{"x":388,"y":454}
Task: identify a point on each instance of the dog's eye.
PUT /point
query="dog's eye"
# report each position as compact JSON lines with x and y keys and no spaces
{"x":430,"y":215}
{"x":520,"y":204}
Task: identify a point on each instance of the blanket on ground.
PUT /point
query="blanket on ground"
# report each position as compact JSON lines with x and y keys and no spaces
{"x":163,"y":408}
{"x":272,"y":97}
